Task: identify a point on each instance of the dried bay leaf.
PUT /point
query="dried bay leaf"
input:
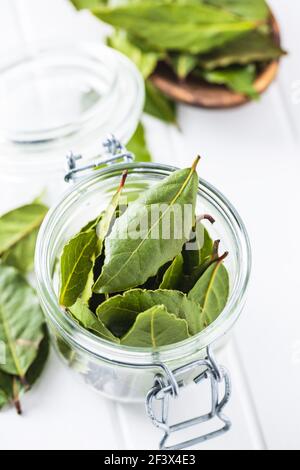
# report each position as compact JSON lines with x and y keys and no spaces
{"x":238,"y":79}
{"x":173,"y":275}
{"x":138,"y":145}
{"x":119,"y":313}
{"x":158,"y":105}
{"x":188,"y":26}
{"x":130,"y":261}
{"x":155,"y":328}
{"x":146,"y":62}
{"x":88,"y":320}
{"x":21,"y":322}
{"x":18,"y":233}
{"x":81,"y":253}
{"x":211,"y":291}
{"x":252,"y":10}
{"x":252,"y":47}
{"x":76,"y":264}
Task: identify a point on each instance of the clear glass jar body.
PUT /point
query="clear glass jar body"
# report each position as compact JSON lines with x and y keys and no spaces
{"x":55,"y":98}
{"x":118,"y":372}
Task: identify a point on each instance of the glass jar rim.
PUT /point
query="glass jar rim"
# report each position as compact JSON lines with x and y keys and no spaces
{"x":30,"y":150}
{"x":110,"y":352}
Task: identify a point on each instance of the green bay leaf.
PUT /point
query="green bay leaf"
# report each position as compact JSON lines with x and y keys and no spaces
{"x":21,"y":322}
{"x":155,"y":328}
{"x":237,"y":78}
{"x":158,"y":105}
{"x":131,"y":257}
{"x":251,"y":9}
{"x":119,"y":313}
{"x":76,"y":264}
{"x":187,"y":26}
{"x":138,"y":145}
{"x":146,"y":62}
{"x":82,"y":314}
{"x":19,"y":224}
{"x":211,"y":292}
{"x":252,"y":47}
{"x":173,"y":275}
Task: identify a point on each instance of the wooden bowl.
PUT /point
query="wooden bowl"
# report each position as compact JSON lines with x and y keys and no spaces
{"x":200,"y":93}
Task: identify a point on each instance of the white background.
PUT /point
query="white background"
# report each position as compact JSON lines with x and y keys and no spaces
{"x":252,"y":155}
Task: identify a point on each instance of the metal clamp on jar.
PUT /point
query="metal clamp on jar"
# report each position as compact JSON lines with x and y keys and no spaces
{"x":131,"y":374}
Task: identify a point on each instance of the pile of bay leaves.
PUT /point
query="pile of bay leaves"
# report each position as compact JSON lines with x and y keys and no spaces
{"x":24,"y":341}
{"x":146,"y":290}
{"x":224,"y":42}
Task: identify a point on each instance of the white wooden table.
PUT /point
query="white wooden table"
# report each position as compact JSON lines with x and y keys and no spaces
{"x":252,"y":155}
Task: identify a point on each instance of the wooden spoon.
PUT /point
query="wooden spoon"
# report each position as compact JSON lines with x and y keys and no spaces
{"x":200,"y":93}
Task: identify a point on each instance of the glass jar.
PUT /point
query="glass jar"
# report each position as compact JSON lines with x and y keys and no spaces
{"x":56,"y":97}
{"x":123,"y":373}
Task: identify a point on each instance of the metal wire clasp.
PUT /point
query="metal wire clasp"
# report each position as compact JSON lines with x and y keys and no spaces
{"x":164,"y":389}
{"x":114,"y":152}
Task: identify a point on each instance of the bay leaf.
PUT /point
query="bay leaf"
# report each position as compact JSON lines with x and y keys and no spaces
{"x":21,"y":256}
{"x":158,"y":105}
{"x":11,"y":388}
{"x":132,"y":258}
{"x":37,"y":368}
{"x":197,"y":249}
{"x":146,"y":62}
{"x":9,"y":391}
{"x":186,"y":26}
{"x":88,"y":320}
{"x":21,"y":322}
{"x":211,"y":292}
{"x":252,"y":47}
{"x":19,"y":223}
{"x":173,"y":275}
{"x":183,"y":64}
{"x":238,"y":79}
{"x":252,"y":10}
{"x":76,"y":264}
{"x":87,"y":4}
{"x":119,"y":313}
{"x":138,"y":145}
{"x":155,"y":328}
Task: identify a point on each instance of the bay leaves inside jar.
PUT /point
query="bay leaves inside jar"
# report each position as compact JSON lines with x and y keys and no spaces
{"x":154,"y":328}
{"x":130,"y":259}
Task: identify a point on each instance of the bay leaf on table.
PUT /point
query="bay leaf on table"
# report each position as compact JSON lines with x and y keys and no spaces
{"x":131,"y":257}
{"x":82,"y":314}
{"x":188,"y":26}
{"x":254,"y":46}
{"x":211,"y":292}
{"x":155,"y":328}
{"x":18,"y":233}
{"x":10,"y":391}
{"x":173,"y":275}
{"x":21,"y":322}
{"x":119,"y":312}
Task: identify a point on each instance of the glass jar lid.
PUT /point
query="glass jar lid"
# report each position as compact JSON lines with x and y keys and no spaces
{"x":58,"y":97}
